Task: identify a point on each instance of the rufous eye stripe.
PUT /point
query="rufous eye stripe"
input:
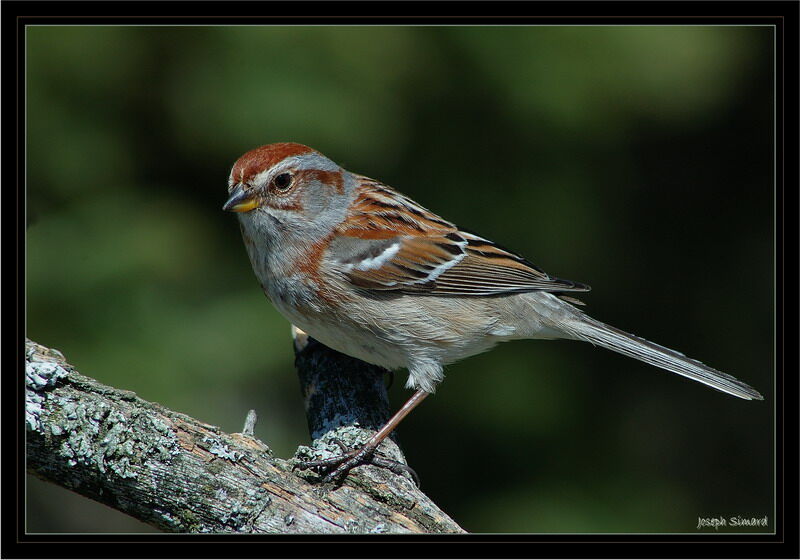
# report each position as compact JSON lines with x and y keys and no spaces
{"x":333,"y":178}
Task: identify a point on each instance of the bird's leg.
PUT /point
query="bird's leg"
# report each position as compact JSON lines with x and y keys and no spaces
{"x":339,"y":466}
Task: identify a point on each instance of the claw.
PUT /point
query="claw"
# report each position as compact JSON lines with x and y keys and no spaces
{"x":338,"y":467}
{"x":396,"y":467}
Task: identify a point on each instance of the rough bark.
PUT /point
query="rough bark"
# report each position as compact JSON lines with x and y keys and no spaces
{"x":181,"y":475}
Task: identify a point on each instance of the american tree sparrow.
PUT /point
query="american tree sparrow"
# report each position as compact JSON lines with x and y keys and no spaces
{"x":369,"y":272}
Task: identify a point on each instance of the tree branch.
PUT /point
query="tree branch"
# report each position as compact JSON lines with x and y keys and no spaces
{"x":181,"y":475}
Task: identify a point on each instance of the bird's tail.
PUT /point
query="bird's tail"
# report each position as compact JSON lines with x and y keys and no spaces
{"x":592,"y":330}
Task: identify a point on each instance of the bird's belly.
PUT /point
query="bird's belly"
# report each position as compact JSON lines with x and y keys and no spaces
{"x":397,"y":332}
{"x":347,"y":338}
{"x":357,"y":343}
{"x":387,"y":350}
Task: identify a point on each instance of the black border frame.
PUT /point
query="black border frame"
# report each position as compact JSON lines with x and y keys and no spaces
{"x":783,"y":14}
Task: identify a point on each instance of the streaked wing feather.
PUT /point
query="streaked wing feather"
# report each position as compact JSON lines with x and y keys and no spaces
{"x":389,"y":242}
{"x":489,"y":270}
{"x":401,"y":262}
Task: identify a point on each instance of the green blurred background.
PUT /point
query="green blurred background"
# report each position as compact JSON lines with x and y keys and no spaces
{"x":636,"y":159}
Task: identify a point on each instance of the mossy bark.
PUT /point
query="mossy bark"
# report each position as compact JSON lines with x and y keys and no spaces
{"x":181,"y":475}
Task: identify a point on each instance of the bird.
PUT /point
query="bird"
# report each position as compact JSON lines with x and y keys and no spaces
{"x":371,"y":273}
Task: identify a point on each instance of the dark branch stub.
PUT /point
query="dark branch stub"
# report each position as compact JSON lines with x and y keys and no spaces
{"x":346,"y":403}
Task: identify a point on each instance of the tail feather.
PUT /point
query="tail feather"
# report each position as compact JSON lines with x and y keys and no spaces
{"x":609,"y":337}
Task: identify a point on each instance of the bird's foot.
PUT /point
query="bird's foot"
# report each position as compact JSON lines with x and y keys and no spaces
{"x":336,"y":468}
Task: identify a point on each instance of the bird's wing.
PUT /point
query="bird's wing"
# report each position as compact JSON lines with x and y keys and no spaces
{"x":389,"y":242}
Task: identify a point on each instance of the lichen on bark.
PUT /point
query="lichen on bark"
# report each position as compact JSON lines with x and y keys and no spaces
{"x":182,"y":475}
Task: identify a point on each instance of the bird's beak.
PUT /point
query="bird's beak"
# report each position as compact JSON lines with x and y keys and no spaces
{"x":241,"y":200}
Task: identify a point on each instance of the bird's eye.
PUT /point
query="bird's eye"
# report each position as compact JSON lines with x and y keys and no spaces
{"x":283,"y":181}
